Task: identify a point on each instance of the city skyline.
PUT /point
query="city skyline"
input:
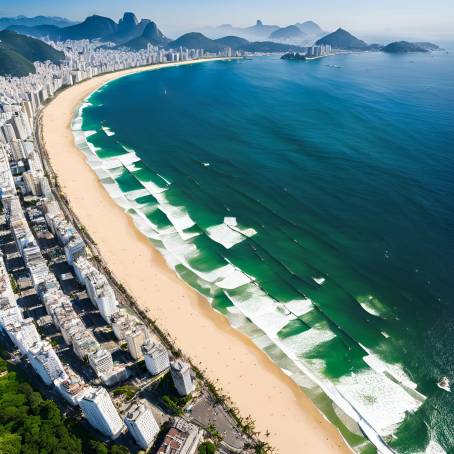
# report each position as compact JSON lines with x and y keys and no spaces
{"x":401,"y":19}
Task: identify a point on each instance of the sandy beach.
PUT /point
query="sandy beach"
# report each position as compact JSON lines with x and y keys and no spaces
{"x":255,"y":384}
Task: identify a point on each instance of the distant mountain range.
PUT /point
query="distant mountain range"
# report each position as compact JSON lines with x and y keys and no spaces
{"x":18,"y":52}
{"x":93,"y":27}
{"x":196,"y":40}
{"x":6,"y":22}
{"x":301,"y":33}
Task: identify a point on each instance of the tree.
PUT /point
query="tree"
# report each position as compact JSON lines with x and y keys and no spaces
{"x":207,"y":447}
{"x":10,"y":443}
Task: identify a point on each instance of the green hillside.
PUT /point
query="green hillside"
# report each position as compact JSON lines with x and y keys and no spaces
{"x":18,"y":52}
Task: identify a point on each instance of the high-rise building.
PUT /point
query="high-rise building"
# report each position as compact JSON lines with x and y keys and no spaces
{"x":45,"y":362}
{"x":181,"y":376}
{"x":71,"y":387}
{"x":101,"y":294}
{"x":98,"y":408}
{"x":24,"y":334}
{"x":101,"y":362}
{"x":74,"y":249}
{"x":141,"y":424}
{"x":156,"y":357}
{"x":135,"y":339}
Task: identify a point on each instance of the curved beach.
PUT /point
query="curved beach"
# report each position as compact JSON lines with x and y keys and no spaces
{"x":255,"y":384}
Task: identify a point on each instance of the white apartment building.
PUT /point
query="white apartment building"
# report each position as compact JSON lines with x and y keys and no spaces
{"x":141,"y":424}
{"x":72,"y":387}
{"x":156,"y":357}
{"x":23,"y":335}
{"x":135,"y":339}
{"x":181,"y":376}
{"x":74,"y":249}
{"x":101,"y":413}
{"x":101,"y":294}
{"x":101,"y":362}
{"x":45,"y":362}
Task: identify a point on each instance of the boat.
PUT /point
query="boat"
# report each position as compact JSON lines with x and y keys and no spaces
{"x":319,"y":280}
{"x":444,"y":384}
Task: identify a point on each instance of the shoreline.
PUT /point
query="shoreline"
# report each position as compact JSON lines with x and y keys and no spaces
{"x":257,"y":386}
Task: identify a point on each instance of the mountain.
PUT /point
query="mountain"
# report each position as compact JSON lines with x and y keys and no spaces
{"x":128,"y":29}
{"x":342,"y":39}
{"x":6,"y":22}
{"x":292,"y":33}
{"x":260,"y":31}
{"x":195,"y":40}
{"x":151,"y":35}
{"x":234,"y":42}
{"x":403,"y":47}
{"x":18,"y":52}
{"x":310,"y":28}
{"x":102,"y":28}
{"x":91,"y":28}
{"x":257,"y":32}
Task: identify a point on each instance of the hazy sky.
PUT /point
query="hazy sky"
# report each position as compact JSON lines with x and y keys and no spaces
{"x":367,"y":17}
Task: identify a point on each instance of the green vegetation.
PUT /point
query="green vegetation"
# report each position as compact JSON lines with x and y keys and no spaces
{"x":14,"y":285}
{"x":18,"y":52}
{"x":207,"y":447}
{"x":214,"y":434}
{"x":128,"y":391}
{"x":170,"y":397}
{"x":30,"y":424}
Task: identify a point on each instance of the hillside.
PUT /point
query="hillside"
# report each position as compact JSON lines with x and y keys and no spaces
{"x":403,"y":47}
{"x":310,"y":28}
{"x":18,"y":52}
{"x":14,"y":64}
{"x":234,"y":42}
{"x":91,"y":28}
{"x":196,"y":40}
{"x":199,"y":41}
{"x":291,"y":33}
{"x":342,"y":39}
{"x":151,"y":35}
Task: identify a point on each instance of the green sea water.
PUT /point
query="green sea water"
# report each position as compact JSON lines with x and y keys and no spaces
{"x":313,"y":205}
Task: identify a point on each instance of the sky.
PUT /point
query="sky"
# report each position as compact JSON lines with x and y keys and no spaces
{"x":399,"y":18}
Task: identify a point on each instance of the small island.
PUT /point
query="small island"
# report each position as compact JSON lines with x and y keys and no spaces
{"x":293,"y":56}
{"x":405,"y":47}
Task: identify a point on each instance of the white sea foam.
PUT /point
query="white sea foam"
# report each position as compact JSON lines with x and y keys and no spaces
{"x":299,"y":307}
{"x":108,"y":131}
{"x":177,"y":215}
{"x":234,"y":280}
{"x":394,"y":370}
{"x":379,"y":400}
{"x":229,"y":233}
{"x":433,"y":447}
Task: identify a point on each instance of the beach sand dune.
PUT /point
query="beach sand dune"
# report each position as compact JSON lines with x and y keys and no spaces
{"x":255,"y":384}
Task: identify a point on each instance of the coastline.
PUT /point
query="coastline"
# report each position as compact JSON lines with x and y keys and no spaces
{"x":273,"y":400}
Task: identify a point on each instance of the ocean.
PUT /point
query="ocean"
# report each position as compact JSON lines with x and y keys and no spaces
{"x":311,"y":203}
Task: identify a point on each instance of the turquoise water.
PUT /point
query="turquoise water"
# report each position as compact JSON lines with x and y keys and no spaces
{"x":314,"y":206}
